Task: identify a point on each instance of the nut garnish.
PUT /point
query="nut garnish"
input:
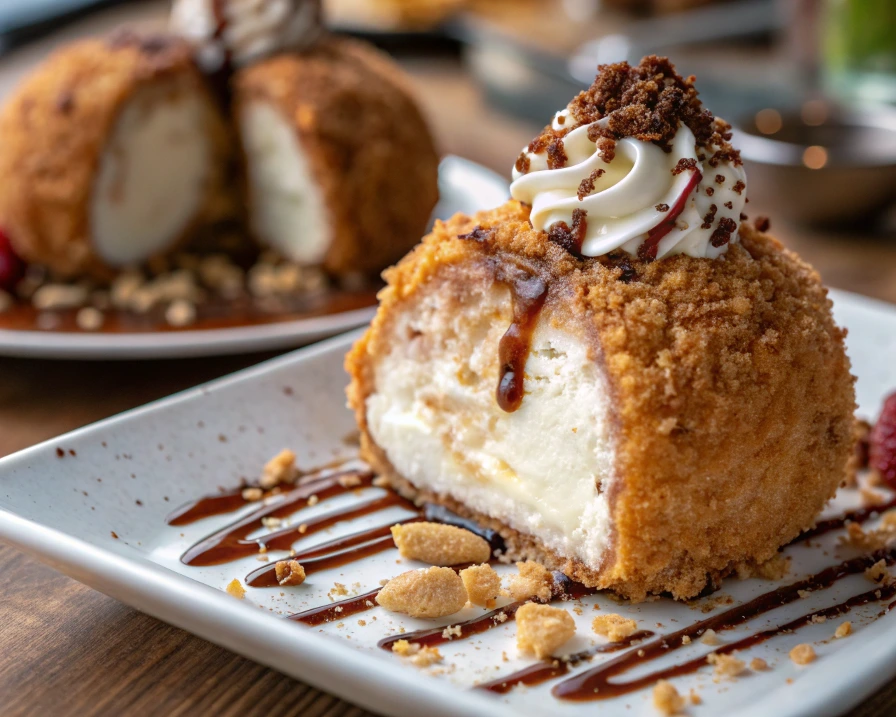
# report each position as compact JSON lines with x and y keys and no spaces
{"x":89,"y":319}
{"x":439,"y":544}
{"x":482,"y":583}
{"x":435,"y":592}
{"x":280,"y":469}
{"x":666,"y":698}
{"x":289,"y":572}
{"x":802,"y":654}
{"x":843,"y":629}
{"x":181,"y":312}
{"x":541,"y":629}
{"x":614,"y":627}
{"x":725,"y":665}
{"x":236,"y":589}
{"x":533,"y":580}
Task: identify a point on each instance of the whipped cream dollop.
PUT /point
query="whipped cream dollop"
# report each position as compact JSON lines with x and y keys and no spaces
{"x":243,"y":31}
{"x":644,"y":201}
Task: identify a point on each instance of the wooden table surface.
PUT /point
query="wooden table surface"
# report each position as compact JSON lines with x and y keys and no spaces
{"x":65,"y":649}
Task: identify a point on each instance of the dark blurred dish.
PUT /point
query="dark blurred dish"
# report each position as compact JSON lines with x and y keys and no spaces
{"x":820,"y":164}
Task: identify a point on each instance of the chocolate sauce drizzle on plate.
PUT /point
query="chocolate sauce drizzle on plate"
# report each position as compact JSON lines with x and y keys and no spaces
{"x":597,"y":683}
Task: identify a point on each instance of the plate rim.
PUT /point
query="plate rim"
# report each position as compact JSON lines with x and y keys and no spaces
{"x":373,"y":682}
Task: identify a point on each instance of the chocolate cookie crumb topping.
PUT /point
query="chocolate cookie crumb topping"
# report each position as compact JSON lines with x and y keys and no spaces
{"x":729,"y":205}
{"x":556,"y":154}
{"x":763,"y":224}
{"x":683,"y":165}
{"x":710,"y":191}
{"x":723,"y":232}
{"x":739,"y":187}
{"x":720,"y":179}
{"x":710,"y":217}
{"x":662,"y":207}
{"x":570,"y":238}
{"x":587,"y":184}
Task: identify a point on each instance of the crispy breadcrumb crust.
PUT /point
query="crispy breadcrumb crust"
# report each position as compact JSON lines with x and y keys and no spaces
{"x":54,"y":128}
{"x":370,"y":148}
{"x":733,"y":396}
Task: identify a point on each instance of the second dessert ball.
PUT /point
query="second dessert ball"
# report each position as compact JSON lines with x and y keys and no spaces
{"x":341,"y":170}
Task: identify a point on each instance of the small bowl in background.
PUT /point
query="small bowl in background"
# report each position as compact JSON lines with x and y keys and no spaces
{"x":820,"y":164}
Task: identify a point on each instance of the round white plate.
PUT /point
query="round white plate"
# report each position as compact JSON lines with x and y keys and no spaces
{"x":464,"y":186}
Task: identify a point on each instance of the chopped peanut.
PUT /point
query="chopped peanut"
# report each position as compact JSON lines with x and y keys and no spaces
{"x":435,"y":592}
{"x":439,"y":544}
{"x":666,"y":698}
{"x":725,"y":665}
{"x":236,"y":589}
{"x":280,"y":469}
{"x":533,"y":580}
{"x":802,"y":654}
{"x":289,"y":572}
{"x":482,"y":583}
{"x":614,"y":627}
{"x":541,"y":629}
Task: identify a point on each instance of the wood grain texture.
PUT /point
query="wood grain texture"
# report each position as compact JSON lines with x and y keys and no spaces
{"x":68,"y":650}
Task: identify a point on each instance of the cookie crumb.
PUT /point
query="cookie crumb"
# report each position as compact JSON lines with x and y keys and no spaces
{"x":426,"y":657}
{"x":725,"y":665}
{"x":435,"y":592}
{"x":877,"y":572}
{"x":685,"y":640}
{"x":235,"y":589}
{"x":843,"y":629}
{"x":289,"y":572}
{"x":802,"y":654}
{"x":614,"y":627}
{"x":666,"y":698}
{"x":757,"y":664}
{"x":482,"y":583}
{"x":710,"y":638}
{"x":452,"y":631}
{"x":280,"y":469}
{"x":541,"y":629}
{"x":439,"y":544}
{"x":251,"y":495}
{"x":533,"y":580}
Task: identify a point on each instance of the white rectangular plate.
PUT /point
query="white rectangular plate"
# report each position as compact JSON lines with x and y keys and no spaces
{"x":125,"y":474}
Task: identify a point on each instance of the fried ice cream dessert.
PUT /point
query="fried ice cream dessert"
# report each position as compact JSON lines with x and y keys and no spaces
{"x":616,"y":370}
{"x":341,"y":169}
{"x":113,"y":152}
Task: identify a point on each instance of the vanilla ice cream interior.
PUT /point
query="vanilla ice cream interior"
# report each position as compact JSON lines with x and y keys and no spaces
{"x":545,"y":469}
{"x":154,"y":172}
{"x":288,"y":210}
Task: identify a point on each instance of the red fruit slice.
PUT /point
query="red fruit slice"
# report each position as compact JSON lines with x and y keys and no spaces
{"x":647,"y":250}
{"x":882,"y":457}
{"x":12,"y":269}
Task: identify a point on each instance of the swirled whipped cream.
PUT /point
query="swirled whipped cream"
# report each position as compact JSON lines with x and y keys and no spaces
{"x":243,"y":31}
{"x":653,"y":195}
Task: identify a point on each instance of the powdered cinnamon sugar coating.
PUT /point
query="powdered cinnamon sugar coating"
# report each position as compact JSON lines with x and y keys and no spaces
{"x":368,"y":144}
{"x":733,"y":397}
{"x":55,"y":126}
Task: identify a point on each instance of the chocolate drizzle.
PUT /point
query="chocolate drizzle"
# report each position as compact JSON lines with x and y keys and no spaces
{"x":529,"y":294}
{"x":595,"y":684}
{"x":336,"y":610}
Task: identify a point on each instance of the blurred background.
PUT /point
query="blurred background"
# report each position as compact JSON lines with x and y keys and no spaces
{"x":810,"y":86}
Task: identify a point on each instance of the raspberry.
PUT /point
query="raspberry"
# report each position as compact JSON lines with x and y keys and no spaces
{"x":883,"y":442}
{"x":11,"y":267}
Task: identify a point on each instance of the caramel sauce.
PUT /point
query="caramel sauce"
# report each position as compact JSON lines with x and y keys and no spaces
{"x":859,"y":516}
{"x":206,"y":507}
{"x":528,"y":295}
{"x":218,"y":314}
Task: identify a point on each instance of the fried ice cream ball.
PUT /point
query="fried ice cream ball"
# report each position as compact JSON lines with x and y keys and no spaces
{"x":677,"y":418}
{"x":341,"y":170}
{"x":113,"y":152}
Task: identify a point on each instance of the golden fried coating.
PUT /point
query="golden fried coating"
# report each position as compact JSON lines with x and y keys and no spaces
{"x":732,"y":392}
{"x":369,"y":146}
{"x":54,"y":129}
